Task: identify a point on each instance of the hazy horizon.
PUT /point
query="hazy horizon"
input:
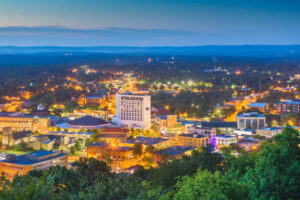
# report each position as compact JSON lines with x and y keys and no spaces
{"x":149,"y":23}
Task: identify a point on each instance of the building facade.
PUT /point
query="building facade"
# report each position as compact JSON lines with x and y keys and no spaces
{"x":100,"y":150}
{"x":36,"y":160}
{"x":288,"y":106}
{"x":20,"y":122}
{"x":10,"y":138}
{"x":269,"y":132}
{"x":193,"y":140}
{"x":251,"y":120}
{"x":224,"y":140}
{"x":133,"y":110}
{"x":114,"y":135}
{"x":156,"y":142}
{"x":92,"y":100}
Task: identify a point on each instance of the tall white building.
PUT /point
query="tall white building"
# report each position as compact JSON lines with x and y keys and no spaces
{"x":133,"y":110}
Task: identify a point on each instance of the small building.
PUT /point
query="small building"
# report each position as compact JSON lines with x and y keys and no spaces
{"x":40,"y":111}
{"x":10,"y":138}
{"x":35,"y":160}
{"x":243,"y":132}
{"x":224,"y":127}
{"x":223,"y":140}
{"x":82,"y":135}
{"x":92,"y":100}
{"x":49,"y":142}
{"x":172,"y":152}
{"x":157,"y":142}
{"x":263,"y":107}
{"x":114,"y":134}
{"x":193,"y":140}
{"x":209,"y":132}
{"x":269,"y":132}
{"x":99,"y":150}
{"x":167,"y":121}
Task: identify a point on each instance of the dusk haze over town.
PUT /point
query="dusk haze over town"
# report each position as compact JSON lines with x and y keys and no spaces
{"x":149,"y":100}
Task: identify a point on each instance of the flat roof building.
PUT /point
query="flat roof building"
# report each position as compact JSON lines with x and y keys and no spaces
{"x":290,"y":105}
{"x":35,"y":160}
{"x":225,"y":140}
{"x":250,"y":120}
{"x":114,"y":134}
{"x":269,"y":132}
{"x":193,"y":140}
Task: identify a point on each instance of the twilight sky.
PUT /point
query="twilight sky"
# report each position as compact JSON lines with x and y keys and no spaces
{"x":148,"y":22}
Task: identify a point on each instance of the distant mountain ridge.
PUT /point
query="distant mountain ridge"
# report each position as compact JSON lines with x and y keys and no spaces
{"x":209,"y":50}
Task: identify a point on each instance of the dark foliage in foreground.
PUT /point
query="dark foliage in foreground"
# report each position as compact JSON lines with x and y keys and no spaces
{"x":272,"y":173}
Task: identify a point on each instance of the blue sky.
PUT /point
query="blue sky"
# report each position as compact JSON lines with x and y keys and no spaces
{"x":184,"y":22}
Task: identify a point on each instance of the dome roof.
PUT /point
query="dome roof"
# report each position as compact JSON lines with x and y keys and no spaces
{"x":88,"y":121}
{"x":40,"y":107}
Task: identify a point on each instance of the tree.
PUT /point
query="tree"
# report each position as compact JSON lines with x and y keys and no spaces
{"x":289,"y":119}
{"x":88,"y":141}
{"x":73,"y":150}
{"x":205,"y":185}
{"x":78,"y":145}
{"x":150,"y":149}
{"x":137,"y":150}
{"x":274,"y":123}
{"x":276,"y":173}
{"x":136,"y":132}
{"x":57,"y":112}
{"x":107,"y":159}
{"x":69,"y":106}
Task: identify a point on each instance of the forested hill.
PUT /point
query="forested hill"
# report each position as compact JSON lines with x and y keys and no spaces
{"x":211,"y":50}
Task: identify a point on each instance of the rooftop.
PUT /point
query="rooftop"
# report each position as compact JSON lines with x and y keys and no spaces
{"x":22,"y":134}
{"x":259,"y":105}
{"x":94,"y":96}
{"x":290,"y":101}
{"x":34,"y":157}
{"x":224,"y":136}
{"x":145,"y":140}
{"x":218,"y":124}
{"x":175,"y":150}
{"x":130,"y":93}
{"x":272,"y":128}
{"x":114,"y":130}
{"x":88,"y":121}
{"x":192,"y":135}
{"x":102,"y":144}
{"x":250,"y":114}
{"x":11,"y":114}
{"x":112,"y":135}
